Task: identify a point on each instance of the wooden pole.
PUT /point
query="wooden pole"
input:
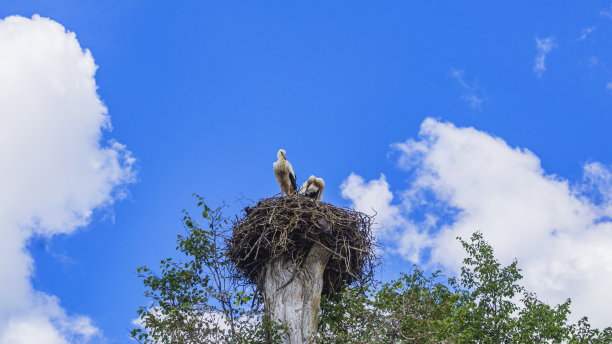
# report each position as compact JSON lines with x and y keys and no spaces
{"x":292,"y":293}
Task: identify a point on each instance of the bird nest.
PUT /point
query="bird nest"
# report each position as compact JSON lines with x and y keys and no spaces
{"x":289,"y":226}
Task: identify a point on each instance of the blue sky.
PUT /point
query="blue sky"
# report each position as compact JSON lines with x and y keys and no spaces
{"x":203,"y":94}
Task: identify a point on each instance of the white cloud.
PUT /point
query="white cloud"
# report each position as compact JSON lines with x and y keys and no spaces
{"x":469,"y":91}
{"x":543,"y":46}
{"x":585,"y":32}
{"x":47,"y":322}
{"x":467,"y":180}
{"x":56,"y":172}
{"x":373,"y":198}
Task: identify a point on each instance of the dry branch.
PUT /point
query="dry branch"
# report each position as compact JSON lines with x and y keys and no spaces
{"x":288,"y":227}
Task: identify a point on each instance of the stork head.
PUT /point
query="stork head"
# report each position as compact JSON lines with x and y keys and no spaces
{"x":311,"y":180}
{"x":321,"y":182}
{"x":281,"y":154}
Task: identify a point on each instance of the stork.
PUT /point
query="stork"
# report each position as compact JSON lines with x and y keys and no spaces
{"x":313,"y":188}
{"x":284,"y":174}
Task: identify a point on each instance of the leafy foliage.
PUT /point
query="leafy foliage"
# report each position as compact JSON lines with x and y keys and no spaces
{"x":413,"y":309}
{"x":485,"y":304}
{"x":197,"y":301}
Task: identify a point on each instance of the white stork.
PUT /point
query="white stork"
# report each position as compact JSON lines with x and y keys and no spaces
{"x":313,"y":188}
{"x":284,"y":174}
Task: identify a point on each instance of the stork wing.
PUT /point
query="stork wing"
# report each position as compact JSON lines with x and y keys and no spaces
{"x":293,"y":182}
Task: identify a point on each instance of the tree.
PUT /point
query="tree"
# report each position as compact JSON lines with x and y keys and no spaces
{"x":480,"y":306}
{"x":196,"y":300}
{"x":199,"y":300}
{"x":412,"y":309}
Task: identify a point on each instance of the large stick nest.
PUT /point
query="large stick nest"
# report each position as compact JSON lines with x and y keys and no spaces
{"x":287,"y":227}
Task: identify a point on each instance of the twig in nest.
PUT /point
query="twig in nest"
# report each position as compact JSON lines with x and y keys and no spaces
{"x":289,"y":226}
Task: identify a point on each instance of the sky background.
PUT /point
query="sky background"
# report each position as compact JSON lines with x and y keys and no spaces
{"x":445,"y":118}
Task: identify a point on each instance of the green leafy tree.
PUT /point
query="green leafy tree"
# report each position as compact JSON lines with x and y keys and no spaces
{"x":488,"y":291}
{"x":196,"y":300}
{"x":484,"y":304}
{"x":582,"y":332}
{"x":495,"y":316}
{"x":415,"y":308}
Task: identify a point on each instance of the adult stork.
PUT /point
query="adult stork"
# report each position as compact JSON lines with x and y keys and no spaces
{"x":313,"y":188}
{"x":284,"y":173}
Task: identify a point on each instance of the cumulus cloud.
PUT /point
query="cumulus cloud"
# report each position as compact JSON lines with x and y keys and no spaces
{"x":469,"y":91}
{"x":376,"y":199}
{"x":47,"y":323}
{"x":543,"y":47}
{"x":373,"y":198}
{"x":463,"y":180}
{"x":56,"y":170}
